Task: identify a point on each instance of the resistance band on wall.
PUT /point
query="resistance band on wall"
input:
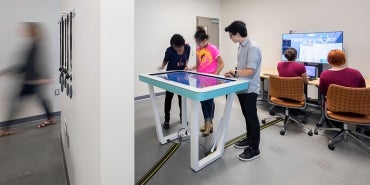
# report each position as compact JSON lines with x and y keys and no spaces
{"x":65,"y":64}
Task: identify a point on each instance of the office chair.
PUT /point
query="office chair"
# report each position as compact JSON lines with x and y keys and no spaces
{"x":288,"y":92}
{"x":324,"y":123}
{"x":351,"y":106}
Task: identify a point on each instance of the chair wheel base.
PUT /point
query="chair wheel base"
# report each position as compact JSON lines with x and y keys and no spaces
{"x":331,"y":146}
{"x":310,"y":133}
{"x":316,"y":132}
{"x":282,"y":132}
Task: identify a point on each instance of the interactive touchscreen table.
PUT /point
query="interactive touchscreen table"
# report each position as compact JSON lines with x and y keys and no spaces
{"x":196,"y":87}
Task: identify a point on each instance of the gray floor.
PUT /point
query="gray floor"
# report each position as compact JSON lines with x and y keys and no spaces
{"x":295,"y":158}
{"x":32,"y":156}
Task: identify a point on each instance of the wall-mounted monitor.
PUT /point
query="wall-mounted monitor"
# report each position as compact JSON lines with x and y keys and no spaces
{"x":312,"y":47}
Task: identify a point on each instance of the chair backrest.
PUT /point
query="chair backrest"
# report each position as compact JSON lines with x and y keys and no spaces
{"x":287,"y":87}
{"x":348,"y":99}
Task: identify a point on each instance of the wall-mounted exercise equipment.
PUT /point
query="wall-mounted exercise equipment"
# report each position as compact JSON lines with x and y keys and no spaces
{"x":65,"y":65}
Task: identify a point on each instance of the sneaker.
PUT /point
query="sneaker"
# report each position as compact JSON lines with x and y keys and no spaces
{"x":166,"y":124}
{"x":242,"y":144}
{"x":249,"y":154}
{"x":367,"y":132}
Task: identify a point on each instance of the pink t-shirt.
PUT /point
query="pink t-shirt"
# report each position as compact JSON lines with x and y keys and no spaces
{"x":347,"y":77}
{"x":290,"y":69}
{"x":207,"y":58}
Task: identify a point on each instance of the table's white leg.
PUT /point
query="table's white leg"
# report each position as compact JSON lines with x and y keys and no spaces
{"x":184,"y":113}
{"x":194,"y":137}
{"x":217,"y":134}
{"x":220,"y":136}
{"x":224,"y":124}
{"x":158,"y":125}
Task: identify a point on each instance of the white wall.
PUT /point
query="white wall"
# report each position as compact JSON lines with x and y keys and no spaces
{"x":82,"y":113}
{"x":266,"y":20}
{"x":117,"y":113}
{"x":99,"y":118}
{"x":156,"y":22}
{"x":12,"y":13}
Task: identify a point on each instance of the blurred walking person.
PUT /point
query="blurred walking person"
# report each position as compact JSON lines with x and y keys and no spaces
{"x":32,"y":73}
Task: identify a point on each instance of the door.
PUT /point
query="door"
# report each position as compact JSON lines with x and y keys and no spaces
{"x":211,"y":25}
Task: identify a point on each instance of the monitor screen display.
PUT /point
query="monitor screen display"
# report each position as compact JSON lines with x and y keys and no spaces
{"x":312,"y":47}
{"x":193,"y":79}
{"x":310,"y":71}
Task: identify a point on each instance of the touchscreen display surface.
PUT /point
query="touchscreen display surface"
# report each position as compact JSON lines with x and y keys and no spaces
{"x":193,"y":79}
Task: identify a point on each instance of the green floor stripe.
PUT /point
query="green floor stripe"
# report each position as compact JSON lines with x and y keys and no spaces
{"x":243,"y":136}
{"x":158,"y":165}
{"x":232,"y":141}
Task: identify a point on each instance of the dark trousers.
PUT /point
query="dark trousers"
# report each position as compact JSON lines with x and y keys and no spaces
{"x":248,"y":104}
{"x":208,"y":108}
{"x":167,"y":105}
{"x":28,"y":90}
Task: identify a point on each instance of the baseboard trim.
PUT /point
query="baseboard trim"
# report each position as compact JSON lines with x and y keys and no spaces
{"x":137,"y":98}
{"x":28,"y":119}
{"x":64,"y":159}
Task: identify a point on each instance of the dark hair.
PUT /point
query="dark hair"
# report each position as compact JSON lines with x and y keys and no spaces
{"x":336,"y":57}
{"x":237,"y":27}
{"x":200,"y":34}
{"x":177,"y":40}
{"x":290,"y":54}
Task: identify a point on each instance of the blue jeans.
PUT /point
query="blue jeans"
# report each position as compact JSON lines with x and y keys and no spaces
{"x":208,"y":108}
{"x":248,"y":104}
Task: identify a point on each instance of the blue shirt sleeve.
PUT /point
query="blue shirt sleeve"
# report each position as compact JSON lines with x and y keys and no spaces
{"x":187,"y":51}
{"x":253,"y":57}
{"x":167,"y":54}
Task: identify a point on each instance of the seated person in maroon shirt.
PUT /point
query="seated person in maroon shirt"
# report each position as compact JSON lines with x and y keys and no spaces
{"x":339,"y":74}
{"x":291,"y":68}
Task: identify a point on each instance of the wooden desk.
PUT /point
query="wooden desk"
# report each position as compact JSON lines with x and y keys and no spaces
{"x":267,"y":72}
{"x":315,"y":82}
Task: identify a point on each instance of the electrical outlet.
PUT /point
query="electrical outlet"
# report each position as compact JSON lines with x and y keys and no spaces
{"x":56,"y":92}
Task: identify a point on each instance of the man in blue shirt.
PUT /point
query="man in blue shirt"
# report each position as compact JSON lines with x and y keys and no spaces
{"x":176,"y":58}
{"x":248,"y":68}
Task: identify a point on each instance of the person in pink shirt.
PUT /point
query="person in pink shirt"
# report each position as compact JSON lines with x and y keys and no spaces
{"x":291,"y":68}
{"x":339,"y":74}
{"x":209,"y":60}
